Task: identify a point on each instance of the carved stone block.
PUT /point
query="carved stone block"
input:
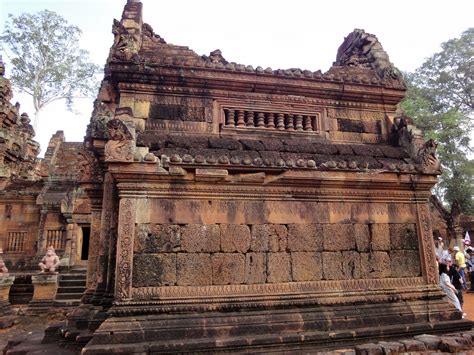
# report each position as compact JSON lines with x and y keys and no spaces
{"x":332,"y":266}
{"x":362,"y":237}
{"x":338,"y":237}
{"x":278,"y":265}
{"x":154,"y":270}
{"x":193,"y":269}
{"x":380,"y":236}
{"x":235,"y":238}
{"x":405,"y":263}
{"x":305,"y":237}
{"x":306,"y":266}
{"x":255,"y":268}
{"x":156,"y":238}
{"x":375,"y":265}
{"x":200,"y":238}
{"x":351,"y":265}
{"x":268,"y":237}
{"x":228,"y":268}
{"x":403,"y":236}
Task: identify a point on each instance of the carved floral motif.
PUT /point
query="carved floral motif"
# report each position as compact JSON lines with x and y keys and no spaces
{"x":123,"y":285}
{"x":427,"y":246}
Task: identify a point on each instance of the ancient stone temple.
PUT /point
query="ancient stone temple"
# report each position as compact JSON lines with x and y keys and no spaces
{"x":42,"y":201}
{"x":240,"y":208}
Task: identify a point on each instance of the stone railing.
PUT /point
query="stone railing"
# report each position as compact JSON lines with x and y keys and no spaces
{"x":16,"y":242}
{"x":280,"y":121}
{"x":56,"y":239}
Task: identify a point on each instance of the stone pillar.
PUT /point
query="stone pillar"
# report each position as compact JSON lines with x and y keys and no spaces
{"x":41,"y":235}
{"x":124,"y":265}
{"x":7,"y":315}
{"x":95,"y":194}
{"x":68,"y":259}
{"x":104,"y":239}
{"x":45,"y":287}
{"x":426,"y":243}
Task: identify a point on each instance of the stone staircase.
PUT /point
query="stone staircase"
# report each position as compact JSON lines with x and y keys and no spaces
{"x":72,"y":285}
{"x":21,"y":292}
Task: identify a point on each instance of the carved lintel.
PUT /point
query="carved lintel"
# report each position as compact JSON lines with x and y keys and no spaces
{"x":126,"y":233}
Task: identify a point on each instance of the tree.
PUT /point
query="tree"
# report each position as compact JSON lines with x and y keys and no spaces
{"x":440,"y":100}
{"x":47,"y":61}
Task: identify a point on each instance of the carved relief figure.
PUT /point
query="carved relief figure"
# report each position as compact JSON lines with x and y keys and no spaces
{"x":361,"y":49}
{"x":427,"y":157}
{"x":50,"y":261}
{"x":120,"y":146}
{"x":125,"y":44}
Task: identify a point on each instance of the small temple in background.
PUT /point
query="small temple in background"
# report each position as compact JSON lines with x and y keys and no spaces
{"x":214,"y":206}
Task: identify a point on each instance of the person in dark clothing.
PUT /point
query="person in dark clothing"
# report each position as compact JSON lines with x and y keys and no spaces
{"x":457,"y":282}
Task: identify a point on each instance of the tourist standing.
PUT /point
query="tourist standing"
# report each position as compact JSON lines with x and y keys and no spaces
{"x":447,"y":286}
{"x":461,"y":261}
{"x":457,"y":281}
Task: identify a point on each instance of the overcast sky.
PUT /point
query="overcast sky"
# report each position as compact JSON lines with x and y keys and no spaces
{"x":269,"y":33}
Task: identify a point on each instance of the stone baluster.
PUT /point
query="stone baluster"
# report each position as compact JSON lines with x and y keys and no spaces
{"x":299,"y":123}
{"x":307,"y":123}
{"x":261,"y":120}
{"x":240,"y":119}
{"x":290,"y":124}
{"x":271,"y":121}
{"x":230,"y":118}
{"x":280,"y":122}
{"x":250,"y":122}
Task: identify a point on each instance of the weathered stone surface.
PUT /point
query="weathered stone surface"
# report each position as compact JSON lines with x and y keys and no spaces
{"x":268,"y":237}
{"x":403,"y":236}
{"x":413,"y":345}
{"x":375,"y":265}
{"x":332,"y":266}
{"x":380,"y":234}
{"x":369,"y":349}
{"x":392,"y":347}
{"x":362,"y":237}
{"x":351,"y":266}
{"x":405,"y":263}
{"x":255,"y":268}
{"x":278,"y":267}
{"x":228,"y":268}
{"x":306,"y":266}
{"x":431,"y":341}
{"x":338,"y":237}
{"x":304,"y":237}
{"x":154,"y":270}
{"x":155,"y":238}
{"x":193,"y":269}
{"x":235,"y":238}
{"x":200,"y":238}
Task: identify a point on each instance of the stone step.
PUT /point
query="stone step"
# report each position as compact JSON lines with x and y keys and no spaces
{"x":73,"y":277}
{"x":71,"y":289}
{"x":72,"y":283}
{"x":77,"y":271}
{"x":68,"y":296}
{"x":67,"y":303}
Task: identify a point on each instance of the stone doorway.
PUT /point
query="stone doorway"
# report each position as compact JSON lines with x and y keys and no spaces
{"x":82,"y":250}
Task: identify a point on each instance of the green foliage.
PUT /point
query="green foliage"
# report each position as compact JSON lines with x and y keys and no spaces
{"x":47,"y":61}
{"x":440,"y":101}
